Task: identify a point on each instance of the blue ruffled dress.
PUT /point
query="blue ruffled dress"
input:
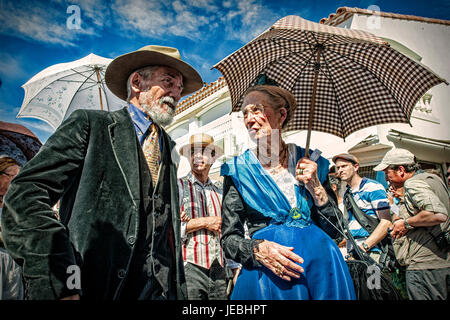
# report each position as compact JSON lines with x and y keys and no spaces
{"x":326,"y":275}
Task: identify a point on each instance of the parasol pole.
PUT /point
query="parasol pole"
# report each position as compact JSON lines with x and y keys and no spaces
{"x":313,"y":99}
{"x":99,"y":88}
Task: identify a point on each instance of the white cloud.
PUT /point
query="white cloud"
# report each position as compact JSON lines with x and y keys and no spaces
{"x":188,"y":23}
{"x":37,"y":124}
{"x":227,"y":3}
{"x":97,"y":12}
{"x":193,"y":19}
{"x":160,"y":20}
{"x":246,"y":19}
{"x":207,"y":5}
{"x":11,"y":66}
{"x":39,"y":21}
{"x":144,"y":17}
{"x":202,"y":63}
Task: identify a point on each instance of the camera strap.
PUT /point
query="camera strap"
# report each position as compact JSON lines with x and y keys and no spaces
{"x":367,"y":222}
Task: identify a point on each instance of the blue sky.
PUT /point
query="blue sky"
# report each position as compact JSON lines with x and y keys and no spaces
{"x":35,"y":35}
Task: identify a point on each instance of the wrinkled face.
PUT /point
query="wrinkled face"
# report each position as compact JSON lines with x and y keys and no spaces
{"x":6,"y":177}
{"x":394,"y":177}
{"x":260,"y":118}
{"x":346,"y":169}
{"x":201,"y":159}
{"x":397,"y":192}
{"x":161,"y":93}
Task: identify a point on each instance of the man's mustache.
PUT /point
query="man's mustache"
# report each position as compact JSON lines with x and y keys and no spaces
{"x":170,"y":101}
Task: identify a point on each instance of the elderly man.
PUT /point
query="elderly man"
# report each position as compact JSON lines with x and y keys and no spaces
{"x":371,"y":198}
{"x":200,"y":203}
{"x":422,"y":226}
{"x":119,"y":231}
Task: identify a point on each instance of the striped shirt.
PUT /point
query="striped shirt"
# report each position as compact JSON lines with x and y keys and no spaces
{"x":372,"y":199}
{"x":197,"y":200}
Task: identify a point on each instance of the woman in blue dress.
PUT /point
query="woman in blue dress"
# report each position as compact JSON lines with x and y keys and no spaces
{"x":285,"y":249}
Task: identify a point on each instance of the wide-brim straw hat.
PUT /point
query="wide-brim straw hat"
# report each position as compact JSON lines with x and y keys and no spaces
{"x":119,"y":70}
{"x":201,"y":140}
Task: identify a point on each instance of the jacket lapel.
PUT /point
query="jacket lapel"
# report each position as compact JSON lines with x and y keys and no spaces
{"x":124,"y":144}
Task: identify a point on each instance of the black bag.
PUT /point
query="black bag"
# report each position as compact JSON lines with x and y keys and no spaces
{"x":369,"y":280}
{"x":442,"y":240}
{"x":368,"y":289}
{"x":369,"y":283}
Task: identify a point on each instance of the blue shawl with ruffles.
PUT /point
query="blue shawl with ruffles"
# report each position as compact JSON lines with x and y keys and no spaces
{"x":260,"y":191}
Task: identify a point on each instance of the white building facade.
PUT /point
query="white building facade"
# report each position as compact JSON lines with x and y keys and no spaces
{"x":426,"y":40}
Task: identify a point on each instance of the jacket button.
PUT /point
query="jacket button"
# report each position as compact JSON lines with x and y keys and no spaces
{"x":131,"y":240}
{"x":121,"y":273}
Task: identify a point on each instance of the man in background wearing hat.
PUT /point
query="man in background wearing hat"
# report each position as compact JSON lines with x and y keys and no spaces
{"x":119,"y":231}
{"x":201,"y":203}
{"x":371,"y":198}
{"x":421,"y":226}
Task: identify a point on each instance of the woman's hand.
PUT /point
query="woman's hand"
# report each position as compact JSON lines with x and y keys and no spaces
{"x":306,"y":172}
{"x":279,"y":259}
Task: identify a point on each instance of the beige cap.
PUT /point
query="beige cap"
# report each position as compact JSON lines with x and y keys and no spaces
{"x":395,"y":157}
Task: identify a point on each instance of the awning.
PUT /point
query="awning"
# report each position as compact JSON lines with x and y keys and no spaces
{"x":425,"y":149}
{"x":369,"y":151}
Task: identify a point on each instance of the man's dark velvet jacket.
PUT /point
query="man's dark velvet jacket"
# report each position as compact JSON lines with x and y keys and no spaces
{"x":94,"y":164}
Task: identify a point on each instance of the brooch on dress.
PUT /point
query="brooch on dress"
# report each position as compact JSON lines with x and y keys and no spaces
{"x":298,"y":219}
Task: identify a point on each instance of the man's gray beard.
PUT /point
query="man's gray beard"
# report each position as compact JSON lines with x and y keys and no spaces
{"x":158,"y":114}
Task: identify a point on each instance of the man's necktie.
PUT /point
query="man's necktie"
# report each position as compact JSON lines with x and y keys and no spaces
{"x":152,"y":153}
{"x":153,"y":157}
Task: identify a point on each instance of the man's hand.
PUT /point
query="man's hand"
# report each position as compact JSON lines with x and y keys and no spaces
{"x":343,"y":244}
{"x":213,"y":223}
{"x":422,"y":219}
{"x":279,"y":259}
{"x":398,"y":229}
{"x":184,"y":217}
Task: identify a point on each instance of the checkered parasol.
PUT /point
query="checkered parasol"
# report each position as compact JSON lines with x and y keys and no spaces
{"x":344,"y":80}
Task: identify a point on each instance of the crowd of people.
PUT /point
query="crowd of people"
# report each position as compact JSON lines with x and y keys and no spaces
{"x":412,"y":216}
{"x":281,"y":225}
